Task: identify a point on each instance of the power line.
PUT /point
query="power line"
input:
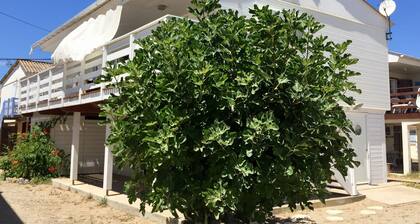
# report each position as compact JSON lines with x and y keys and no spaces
{"x":33,"y":59}
{"x":24,"y":22}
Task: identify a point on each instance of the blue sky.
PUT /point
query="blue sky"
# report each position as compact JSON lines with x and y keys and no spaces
{"x":17,"y":38}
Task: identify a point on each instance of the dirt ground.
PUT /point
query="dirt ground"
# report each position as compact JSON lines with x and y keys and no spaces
{"x":363,"y":212}
{"x":45,"y":204}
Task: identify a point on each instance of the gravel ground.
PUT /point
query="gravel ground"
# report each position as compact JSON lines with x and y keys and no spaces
{"x":363,"y":212}
{"x":45,"y":204}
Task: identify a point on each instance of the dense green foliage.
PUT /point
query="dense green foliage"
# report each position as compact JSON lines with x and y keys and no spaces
{"x":230,"y":116}
{"x":34,"y":156}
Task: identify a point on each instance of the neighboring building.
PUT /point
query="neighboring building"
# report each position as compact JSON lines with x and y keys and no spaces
{"x":105,"y":31}
{"x":9,"y":121}
{"x":403,"y":120}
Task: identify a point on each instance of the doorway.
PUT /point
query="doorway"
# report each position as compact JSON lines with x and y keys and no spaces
{"x":359,"y":143}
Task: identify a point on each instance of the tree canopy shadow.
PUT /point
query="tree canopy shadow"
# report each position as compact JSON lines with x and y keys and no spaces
{"x":7,"y":214}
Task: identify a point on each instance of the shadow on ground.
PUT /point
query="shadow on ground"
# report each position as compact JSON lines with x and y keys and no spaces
{"x":7,"y":215}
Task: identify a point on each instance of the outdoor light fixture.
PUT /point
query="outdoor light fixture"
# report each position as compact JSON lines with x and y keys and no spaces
{"x":386,"y":8}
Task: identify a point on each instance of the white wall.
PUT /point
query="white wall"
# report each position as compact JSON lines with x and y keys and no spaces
{"x":352,"y":20}
{"x":344,"y":20}
{"x":92,"y":140}
{"x":377,"y":147}
{"x":9,"y":88}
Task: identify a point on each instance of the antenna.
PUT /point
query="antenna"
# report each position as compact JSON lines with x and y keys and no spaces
{"x":386,"y":8}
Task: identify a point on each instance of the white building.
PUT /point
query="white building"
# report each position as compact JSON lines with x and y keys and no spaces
{"x":9,"y":121}
{"x":105,"y":31}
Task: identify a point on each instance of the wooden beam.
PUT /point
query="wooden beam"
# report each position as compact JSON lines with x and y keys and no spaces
{"x":402,"y":116}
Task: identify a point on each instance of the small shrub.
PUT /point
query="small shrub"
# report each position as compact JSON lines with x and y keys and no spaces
{"x":103,"y":202}
{"x":34,"y":156}
{"x":5,"y":165}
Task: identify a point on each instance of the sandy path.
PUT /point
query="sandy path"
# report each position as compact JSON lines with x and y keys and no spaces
{"x":362,"y":213}
{"x":45,"y":204}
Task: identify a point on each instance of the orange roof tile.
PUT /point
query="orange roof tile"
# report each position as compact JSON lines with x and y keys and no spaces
{"x":34,"y":67}
{"x":30,"y":67}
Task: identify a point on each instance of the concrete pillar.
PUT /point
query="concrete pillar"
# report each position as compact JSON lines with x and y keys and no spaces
{"x":406,"y":147}
{"x":418,"y":147}
{"x":108,"y":163}
{"x":74,"y":162}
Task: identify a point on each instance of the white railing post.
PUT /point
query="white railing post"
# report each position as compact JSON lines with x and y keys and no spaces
{"x":63,"y":81}
{"x":104,"y":61}
{"x":49,"y":87}
{"x":28,"y":90}
{"x":19,"y":89}
{"x":38,"y":80}
{"x":80,"y":80}
{"x":132,"y":46}
{"x":74,"y":162}
{"x":108,"y":163}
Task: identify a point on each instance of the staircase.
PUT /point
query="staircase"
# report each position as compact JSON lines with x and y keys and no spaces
{"x":340,"y":184}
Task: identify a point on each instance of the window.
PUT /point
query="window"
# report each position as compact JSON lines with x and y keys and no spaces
{"x":413,"y":136}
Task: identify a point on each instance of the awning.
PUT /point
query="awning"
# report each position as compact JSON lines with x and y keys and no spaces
{"x":90,"y":35}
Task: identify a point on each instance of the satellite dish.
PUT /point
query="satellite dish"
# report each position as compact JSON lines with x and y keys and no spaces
{"x":387,"y":7}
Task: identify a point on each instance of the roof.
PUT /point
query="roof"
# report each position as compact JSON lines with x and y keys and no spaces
{"x":374,"y":9}
{"x":80,"y":16}
{"x":98,"y":4}
{"x":33,"y":67}
{"x":30,"y":67}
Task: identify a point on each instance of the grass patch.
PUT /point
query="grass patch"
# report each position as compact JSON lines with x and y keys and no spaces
{"x":103,"y":202}
{"x":40,"y":180}
{"x":415,"y":185}
{"x":413,"y":176}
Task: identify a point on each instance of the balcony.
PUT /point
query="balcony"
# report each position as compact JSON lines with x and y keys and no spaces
{"x":73,"y":83}
{"x":405,"y":103}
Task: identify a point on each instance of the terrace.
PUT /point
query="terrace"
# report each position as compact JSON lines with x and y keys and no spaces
{"x":73,"y":83}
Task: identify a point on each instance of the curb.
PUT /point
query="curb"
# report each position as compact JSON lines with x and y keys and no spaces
{"x":328,"y":203}
{"x":132,"y":210}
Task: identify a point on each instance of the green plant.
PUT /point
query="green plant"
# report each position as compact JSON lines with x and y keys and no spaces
{"x":230,"y":116}
{"x":34,"y":156}
{"x":40,"y":180}
{"x":103,"y":202}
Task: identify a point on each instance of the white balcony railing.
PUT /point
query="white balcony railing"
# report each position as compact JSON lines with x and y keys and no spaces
{"x":74,"y":83}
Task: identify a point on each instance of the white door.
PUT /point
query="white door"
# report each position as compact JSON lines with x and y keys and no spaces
{"x":359,"y":143}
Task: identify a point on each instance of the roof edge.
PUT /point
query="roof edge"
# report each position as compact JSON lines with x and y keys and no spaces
{"x":75,"y":19}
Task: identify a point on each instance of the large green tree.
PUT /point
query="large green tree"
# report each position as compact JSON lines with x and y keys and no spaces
{"x":228,"y":116}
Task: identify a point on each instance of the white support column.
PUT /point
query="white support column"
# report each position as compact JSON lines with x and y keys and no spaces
{"x":108,"y":163}
{"x":406,"y":148}
{"x":74,"y":163}
{"x":418,"y":147}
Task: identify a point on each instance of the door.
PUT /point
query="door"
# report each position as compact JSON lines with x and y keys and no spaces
{"x":359,"y":143}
